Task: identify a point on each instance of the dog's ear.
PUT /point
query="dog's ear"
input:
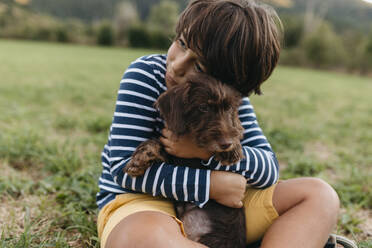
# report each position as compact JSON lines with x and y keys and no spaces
{"x":171,"y":105}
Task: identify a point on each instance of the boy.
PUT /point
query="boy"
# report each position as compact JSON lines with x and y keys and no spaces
{"x":237,"y":42}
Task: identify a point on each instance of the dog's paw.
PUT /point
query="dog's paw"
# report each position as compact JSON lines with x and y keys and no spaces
{"x":145,"y":155}
{"x":230,"y":157}
{"x":139,"y":163}
{"x":133,"y":170}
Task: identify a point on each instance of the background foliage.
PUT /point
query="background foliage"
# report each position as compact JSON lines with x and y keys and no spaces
{"x":333,"y":34}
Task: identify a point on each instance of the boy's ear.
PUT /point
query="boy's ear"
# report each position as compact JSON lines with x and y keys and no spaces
{"x":171,"y":105}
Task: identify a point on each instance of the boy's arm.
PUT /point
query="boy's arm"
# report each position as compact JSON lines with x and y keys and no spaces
{"x":134,"y":121}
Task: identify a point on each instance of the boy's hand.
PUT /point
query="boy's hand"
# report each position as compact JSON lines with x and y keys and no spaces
{"x":227,"y":188}
{"x":183,"y":147}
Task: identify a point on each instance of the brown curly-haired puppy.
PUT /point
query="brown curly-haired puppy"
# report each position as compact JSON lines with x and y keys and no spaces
{"x":208,"y":110}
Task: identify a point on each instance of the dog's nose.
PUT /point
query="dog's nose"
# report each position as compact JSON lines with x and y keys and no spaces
{"x":225,"y":145}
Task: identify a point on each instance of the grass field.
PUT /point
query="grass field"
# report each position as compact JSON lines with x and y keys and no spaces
{"x":56,"y":104}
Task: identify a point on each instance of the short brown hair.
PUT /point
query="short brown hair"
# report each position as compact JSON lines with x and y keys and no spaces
{"x":238,"y":40}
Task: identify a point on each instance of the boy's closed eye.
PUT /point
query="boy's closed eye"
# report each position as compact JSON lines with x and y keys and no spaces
{"x":198,"y":66}
{"x":182,"y":43}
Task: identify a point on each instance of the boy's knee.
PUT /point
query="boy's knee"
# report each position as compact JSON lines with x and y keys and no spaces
{"x":313,"y":192}
{"x":325,"y":196}
{"x":324,"y":191}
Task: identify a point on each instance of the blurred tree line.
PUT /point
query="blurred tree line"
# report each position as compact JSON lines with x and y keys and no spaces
{"x":93,"y":10}
{"x":115,"y":22}
{"x":315,"y":35}
{"x":324,"y":47}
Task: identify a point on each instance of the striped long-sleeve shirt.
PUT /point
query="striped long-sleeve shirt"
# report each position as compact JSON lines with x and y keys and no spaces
{"x":136,"y":120}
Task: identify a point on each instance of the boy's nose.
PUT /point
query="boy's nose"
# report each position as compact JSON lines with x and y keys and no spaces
{"x":178,"y":69}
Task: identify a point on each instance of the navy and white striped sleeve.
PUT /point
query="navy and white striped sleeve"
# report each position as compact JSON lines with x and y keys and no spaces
{"x":134,"y":121}
{"x":260,"y":166}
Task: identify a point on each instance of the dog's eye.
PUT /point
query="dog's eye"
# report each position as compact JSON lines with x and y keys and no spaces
{"x":204,"y":108}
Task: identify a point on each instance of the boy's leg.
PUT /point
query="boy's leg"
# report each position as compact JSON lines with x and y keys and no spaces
{"x":148,"y":229}
{"x":308,"y":209}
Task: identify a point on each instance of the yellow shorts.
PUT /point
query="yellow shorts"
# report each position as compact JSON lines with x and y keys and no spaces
{"x":259,"y":211}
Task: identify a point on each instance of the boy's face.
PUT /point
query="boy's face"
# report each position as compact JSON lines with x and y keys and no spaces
{"x":181,"y":62}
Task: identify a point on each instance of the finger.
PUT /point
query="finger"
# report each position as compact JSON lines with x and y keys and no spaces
{"x":166,"y":142}
{"x":168,"y":150}
{"x":236,"y":204}
{"x":162,"y":132}
{"x":166,"y":133}
{"x":239,"y":205}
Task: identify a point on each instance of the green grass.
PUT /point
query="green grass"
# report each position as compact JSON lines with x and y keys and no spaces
{"x":56,"y":105}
